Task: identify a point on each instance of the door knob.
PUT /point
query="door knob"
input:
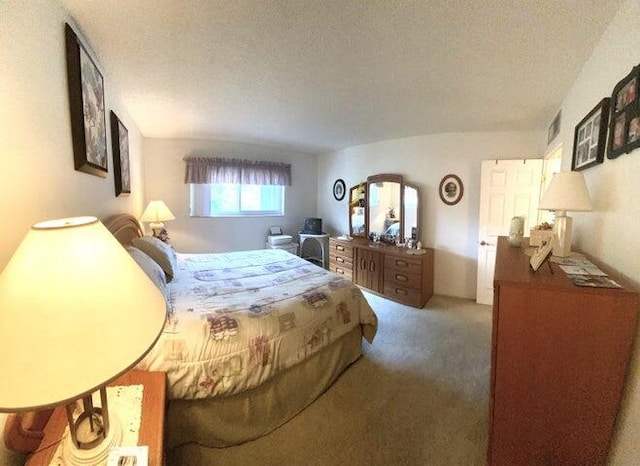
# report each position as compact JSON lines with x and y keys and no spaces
{"x":484,"y":243}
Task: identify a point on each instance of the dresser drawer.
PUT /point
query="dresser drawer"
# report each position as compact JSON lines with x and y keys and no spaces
{"x":410,"y":296}
{"x":340,"y":248}
{"x":345,"y":272}
{"x":411,"y":265}
{"x":341,"y":260}
{"x":403,"y":278}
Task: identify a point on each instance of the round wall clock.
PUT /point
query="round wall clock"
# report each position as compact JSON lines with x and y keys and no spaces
{"x":451,"y":189}
{"x":339,"y":189}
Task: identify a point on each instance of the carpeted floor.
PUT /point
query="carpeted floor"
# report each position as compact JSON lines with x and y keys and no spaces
{"x":418,"y":396}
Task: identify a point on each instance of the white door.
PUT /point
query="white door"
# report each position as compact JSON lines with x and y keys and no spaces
{"x":508,"y":188}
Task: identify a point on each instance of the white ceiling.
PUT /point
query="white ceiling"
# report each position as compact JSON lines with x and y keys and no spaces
{"x":321,"y":75}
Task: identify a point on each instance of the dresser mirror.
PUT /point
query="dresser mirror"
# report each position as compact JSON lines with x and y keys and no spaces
{"x":384,"y":201}
{"x":357,"y":217}
{"x":411,"y":213}
{"x":385,"y":208}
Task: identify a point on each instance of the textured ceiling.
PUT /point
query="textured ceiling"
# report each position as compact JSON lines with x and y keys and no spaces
{"x":327,"y":74}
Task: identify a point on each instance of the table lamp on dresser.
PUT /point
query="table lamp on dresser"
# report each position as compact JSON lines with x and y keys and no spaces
{"x":76,"y":312}
{"x":566,"y":192}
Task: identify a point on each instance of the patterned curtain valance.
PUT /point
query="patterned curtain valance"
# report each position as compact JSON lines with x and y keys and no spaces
{"x":210,"y":170}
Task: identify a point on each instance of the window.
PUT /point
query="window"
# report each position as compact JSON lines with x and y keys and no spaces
{"x":222,"y":187}
{"x":236,"y":200}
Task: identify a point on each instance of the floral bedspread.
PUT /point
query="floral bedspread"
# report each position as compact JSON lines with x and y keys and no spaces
{"x":239,"y":318}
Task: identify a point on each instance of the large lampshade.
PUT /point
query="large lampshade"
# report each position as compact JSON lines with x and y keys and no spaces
{"x":156,"y":213}
{"x":75,"y":312}
{"x":566,"y":192}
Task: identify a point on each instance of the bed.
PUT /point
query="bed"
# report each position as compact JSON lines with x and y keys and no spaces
{"x":251,"y":338}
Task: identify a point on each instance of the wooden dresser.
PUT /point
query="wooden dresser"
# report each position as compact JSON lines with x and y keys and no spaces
{"x":386,"y":270}
{"x":559,"y":360}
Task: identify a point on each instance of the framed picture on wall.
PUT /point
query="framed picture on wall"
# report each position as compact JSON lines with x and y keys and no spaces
{"x":120,"y":149}
{"x":451,"y":189}
{"x":554,"y":128}
{"x":86,"y":101}
{"x":624,"y":131}
{"x":590,"y":137}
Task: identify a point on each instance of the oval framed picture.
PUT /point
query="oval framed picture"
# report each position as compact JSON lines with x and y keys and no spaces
{"x":451,"y":189}
{"x":339,"y":189}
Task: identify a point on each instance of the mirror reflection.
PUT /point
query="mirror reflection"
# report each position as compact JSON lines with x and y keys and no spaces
{"x":384,"y":210}
{"x":410,"y":212}
{"x":357,"y":218}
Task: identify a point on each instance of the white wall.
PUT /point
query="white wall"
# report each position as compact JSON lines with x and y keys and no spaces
{"x":611,"y":232}
{"x":424,"y":160}
{"x":37,"y":178}
{"x":164,"y":177}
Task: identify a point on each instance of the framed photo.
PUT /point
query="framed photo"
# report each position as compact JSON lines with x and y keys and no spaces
{"x":554,"y":128}
{"x":120,"y":149}
{"x":590,"y":137}
{"x":541,"y":254}
{"x":339,"y":189}
{"x":624,"y":128}
{"x":451,"y":189}
{"x":86,"y":101}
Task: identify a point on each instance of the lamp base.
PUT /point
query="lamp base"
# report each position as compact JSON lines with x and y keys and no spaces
{"x":74,"y":456}
{"x":562,"y":229}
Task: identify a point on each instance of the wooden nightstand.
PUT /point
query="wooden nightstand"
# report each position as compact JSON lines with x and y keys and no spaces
{"x":151,"y":422}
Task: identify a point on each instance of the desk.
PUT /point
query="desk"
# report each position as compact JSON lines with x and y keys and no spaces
{"x":323,"y":241}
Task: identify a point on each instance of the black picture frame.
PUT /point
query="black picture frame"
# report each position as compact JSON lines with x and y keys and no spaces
{"x":624,"y":126}
{"x":87,"y":108}
{"x":120,"y":151}
{"x":451,"y":189}
{"x":339,"y":189}
{"x":590,"y":137}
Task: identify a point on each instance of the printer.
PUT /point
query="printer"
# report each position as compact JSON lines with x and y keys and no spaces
{"x":276,"y":240}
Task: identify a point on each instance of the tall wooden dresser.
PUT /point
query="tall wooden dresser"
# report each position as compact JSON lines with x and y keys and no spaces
{"x":386,"y":270}
{"x":559,"y":360}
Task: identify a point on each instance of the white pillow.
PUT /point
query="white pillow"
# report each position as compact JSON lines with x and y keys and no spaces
{"x":150,"y":267}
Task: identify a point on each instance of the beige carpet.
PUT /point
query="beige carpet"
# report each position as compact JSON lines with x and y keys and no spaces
{"x":418,"y":396}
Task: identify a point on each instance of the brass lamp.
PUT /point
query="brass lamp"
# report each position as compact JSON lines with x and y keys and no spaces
{"x":76,"y":312}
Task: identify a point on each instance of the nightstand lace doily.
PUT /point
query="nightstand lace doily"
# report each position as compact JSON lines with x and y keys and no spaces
{"x":125,"y":402}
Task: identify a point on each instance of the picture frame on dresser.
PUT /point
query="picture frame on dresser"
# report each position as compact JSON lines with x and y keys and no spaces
{"x":87,"y":108}
{"x":590,"y":136}
{"x":120,"y":150}
{"x":624,"y":126}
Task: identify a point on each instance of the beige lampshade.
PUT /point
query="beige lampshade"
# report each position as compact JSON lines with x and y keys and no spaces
{"x":76,"y":311}
{"x":567,"y":192}
{"x":156,"y":213}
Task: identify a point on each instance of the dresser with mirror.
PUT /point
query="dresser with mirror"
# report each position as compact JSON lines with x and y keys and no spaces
{"x":384,"y":217}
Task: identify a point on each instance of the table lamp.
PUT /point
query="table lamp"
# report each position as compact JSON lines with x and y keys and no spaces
{"x":76,"y":312}
{"x":567,"y":192}
{"x":156,"y":213}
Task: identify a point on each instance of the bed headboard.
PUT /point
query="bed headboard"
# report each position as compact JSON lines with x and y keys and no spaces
{"x":124,"y":227}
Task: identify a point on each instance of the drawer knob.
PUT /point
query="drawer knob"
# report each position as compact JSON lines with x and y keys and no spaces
{"x":402,"y":278}
{"x":339,"y":259}
{"x":340,"y":248}
{"x":401,"y":291}
{"x":401,"y":263}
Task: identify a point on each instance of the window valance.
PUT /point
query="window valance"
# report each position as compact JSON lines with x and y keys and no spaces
{"x":211,"y":170}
